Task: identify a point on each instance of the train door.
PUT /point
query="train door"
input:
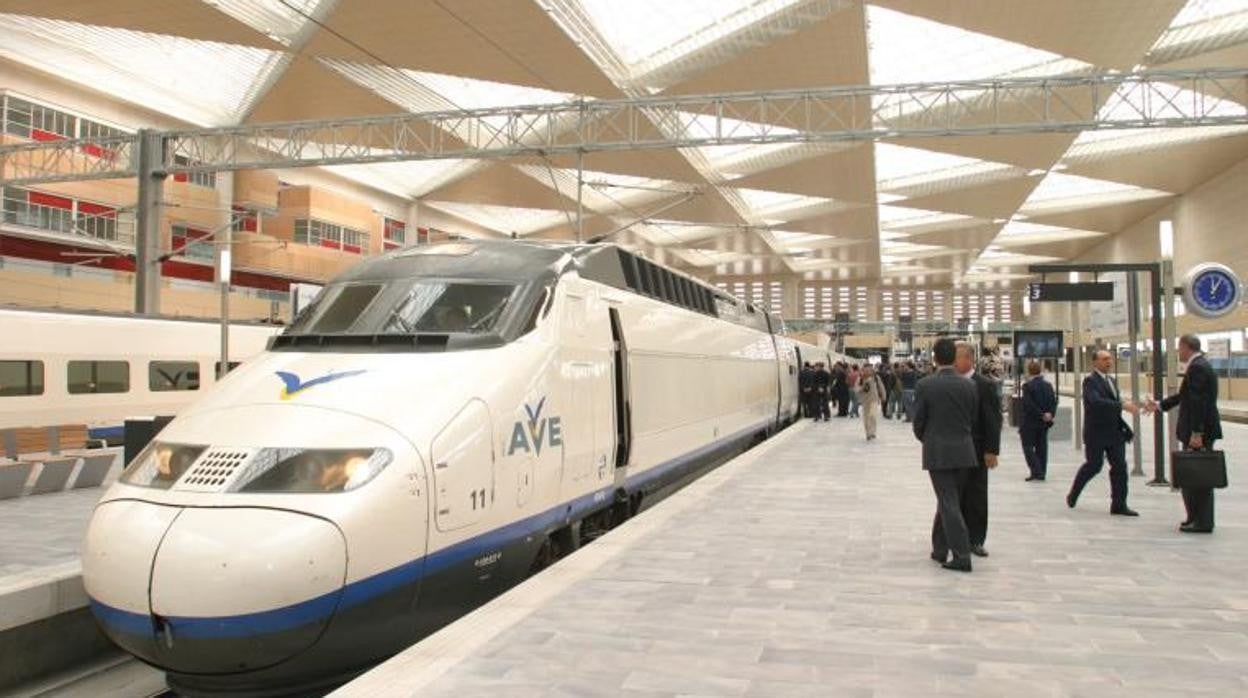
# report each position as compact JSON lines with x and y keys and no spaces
{"x":463,"y":468}
{"x":580,"y":442}
{"x":622,"y":401}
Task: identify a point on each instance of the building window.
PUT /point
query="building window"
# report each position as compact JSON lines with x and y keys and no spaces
{"x":37,"y":122}
{"x":88,"y":377}
{"x":243,"y":219}
{"x":167,"y":376}
{"x":184,"y":242}
{"x":200,"y":179}
{"x":35,"y":209}
{"x":97,"y":221}
{"x":19,"y":378}
{"x":394,"y":234}
{"x":92,"y":129}
{"x":330,"y":235}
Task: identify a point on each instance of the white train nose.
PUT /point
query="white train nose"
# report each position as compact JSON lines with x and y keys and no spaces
{"x":235,"y":589}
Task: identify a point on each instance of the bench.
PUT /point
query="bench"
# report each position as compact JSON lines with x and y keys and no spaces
{"x":60,"y":455}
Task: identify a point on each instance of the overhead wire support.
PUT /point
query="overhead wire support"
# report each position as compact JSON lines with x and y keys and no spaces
{"x":1097,"y":101}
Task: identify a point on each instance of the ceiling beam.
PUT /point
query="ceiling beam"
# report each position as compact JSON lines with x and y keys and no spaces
{"x":837,"y":114}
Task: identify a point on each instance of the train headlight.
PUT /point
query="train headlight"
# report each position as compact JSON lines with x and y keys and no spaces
{"x":160,"y":465}
{"x":312,"y":470}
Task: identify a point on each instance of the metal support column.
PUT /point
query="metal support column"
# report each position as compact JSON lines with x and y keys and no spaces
{"x":1133,"y":336}
{"x":225,"y":261}
{"x":580,"y":187}
{"x":1076,"y":376}
{"x":151,"y":163}
{"x":1159,"y":280}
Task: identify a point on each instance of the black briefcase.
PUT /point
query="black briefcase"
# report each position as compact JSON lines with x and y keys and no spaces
{"x":1198,"y":469}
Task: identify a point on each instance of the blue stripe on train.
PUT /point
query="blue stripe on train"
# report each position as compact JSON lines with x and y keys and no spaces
{"x":359,"y":592}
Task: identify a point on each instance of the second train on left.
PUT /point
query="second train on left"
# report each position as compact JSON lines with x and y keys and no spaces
{"x":441,"y":422}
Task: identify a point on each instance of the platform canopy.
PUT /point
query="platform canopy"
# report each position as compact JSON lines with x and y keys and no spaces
{"x":958,"y":210}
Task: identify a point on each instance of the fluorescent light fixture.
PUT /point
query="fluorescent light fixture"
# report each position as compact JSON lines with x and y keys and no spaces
{"x":1073,"y":277}
{"x":1166,"y":239}
{"x":1026,"y":304}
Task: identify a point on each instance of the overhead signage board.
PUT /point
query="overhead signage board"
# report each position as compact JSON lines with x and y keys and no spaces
{"x":1090,"y":291}
{"x":1219,"y":349}
{"x":1110,"y":318}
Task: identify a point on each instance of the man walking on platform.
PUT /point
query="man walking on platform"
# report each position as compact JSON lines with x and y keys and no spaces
{"x":1105,"y":435}
{"x":1199,"y":426}
{"x":944,"y":414}
{"x":1039,"y":405}
{"x":986,"y":434}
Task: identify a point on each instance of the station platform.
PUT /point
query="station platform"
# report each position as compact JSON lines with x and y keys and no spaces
{"x":41,"y":579}
{"x":801,"y":569}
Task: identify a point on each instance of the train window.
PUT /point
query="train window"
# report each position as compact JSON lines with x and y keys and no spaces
{"x":344,"y":309}
{"x":629,"y":264}
{"x":216,"y":367}
{"x":687,"y":287}
{"x":168,"y":376}
{"x":21,"y":378}
{"x":665,"y":278}
{"x":645,"y":276}
{"x":88,"y":377}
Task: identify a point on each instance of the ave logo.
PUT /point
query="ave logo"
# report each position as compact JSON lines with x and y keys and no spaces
{"x":538,"y":431}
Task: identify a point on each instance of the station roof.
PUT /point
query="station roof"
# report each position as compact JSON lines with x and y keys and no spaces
{"x":971,"y":211}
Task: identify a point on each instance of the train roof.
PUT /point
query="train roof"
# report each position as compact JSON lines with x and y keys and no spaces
{"x":519,"y":261}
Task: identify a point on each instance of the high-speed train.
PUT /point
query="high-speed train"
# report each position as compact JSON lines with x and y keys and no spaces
{"x":60,"y":367}
{"x":440,"y":423}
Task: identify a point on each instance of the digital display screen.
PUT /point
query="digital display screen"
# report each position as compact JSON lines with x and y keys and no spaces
{"x":1038,"y":345}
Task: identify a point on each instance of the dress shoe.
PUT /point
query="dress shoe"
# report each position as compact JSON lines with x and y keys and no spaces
{"x":1071,"y":500}
{"x":940,"y":556}
{"x":1193,"y":528}
{"x":1029,"y":478}
{"x":1124,"y":510}
{"x":978,"y":551}
{"x":958,"y":564}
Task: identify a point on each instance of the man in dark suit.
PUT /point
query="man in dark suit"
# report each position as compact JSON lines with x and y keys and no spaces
{"x":1199,"y":426}
{"x":1039,"y":405}
{"x":1105,"y":435}
{"x":945,"y":405}
{"x":820,"y":384}
{"x":805,"y":384}
{"x":986,"y":433}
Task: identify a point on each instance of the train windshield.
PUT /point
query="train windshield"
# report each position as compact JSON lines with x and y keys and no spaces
{"x":448,"y":307}
{"x":404,"y":308}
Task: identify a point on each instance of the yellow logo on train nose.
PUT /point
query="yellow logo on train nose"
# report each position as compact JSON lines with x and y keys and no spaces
{"x":293,"y":385}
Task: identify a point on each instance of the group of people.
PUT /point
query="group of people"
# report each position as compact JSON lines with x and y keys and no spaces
{"x":869,"y":392}
{"x":957,"y":415}
{"x":1106,"y":433}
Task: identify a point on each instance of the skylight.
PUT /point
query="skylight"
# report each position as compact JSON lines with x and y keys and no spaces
{"x":504,"y":219}
{"x":1060,"y":191}
{"x":605,"y":192}
{"x":280,"y":20}
{"x":898,"y":218}
{"x":899,"y":167}
{"x":639,"y":30}
{"x":1203,"y":10}
{"x":417,"y":91}
{"x":406,"y":179}
{"x":1202,"y":25}
{"x":707,"y":126}
{"x":203,"y":82}
{"x":1114,"y":141}
{"x":904,"y":48}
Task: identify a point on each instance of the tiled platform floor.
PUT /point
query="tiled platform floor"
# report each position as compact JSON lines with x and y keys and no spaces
{"x":801,"y":569}
{"x":44,"y":530}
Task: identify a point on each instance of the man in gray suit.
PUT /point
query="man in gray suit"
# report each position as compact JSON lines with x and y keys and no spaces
{"x":945,"y":406}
